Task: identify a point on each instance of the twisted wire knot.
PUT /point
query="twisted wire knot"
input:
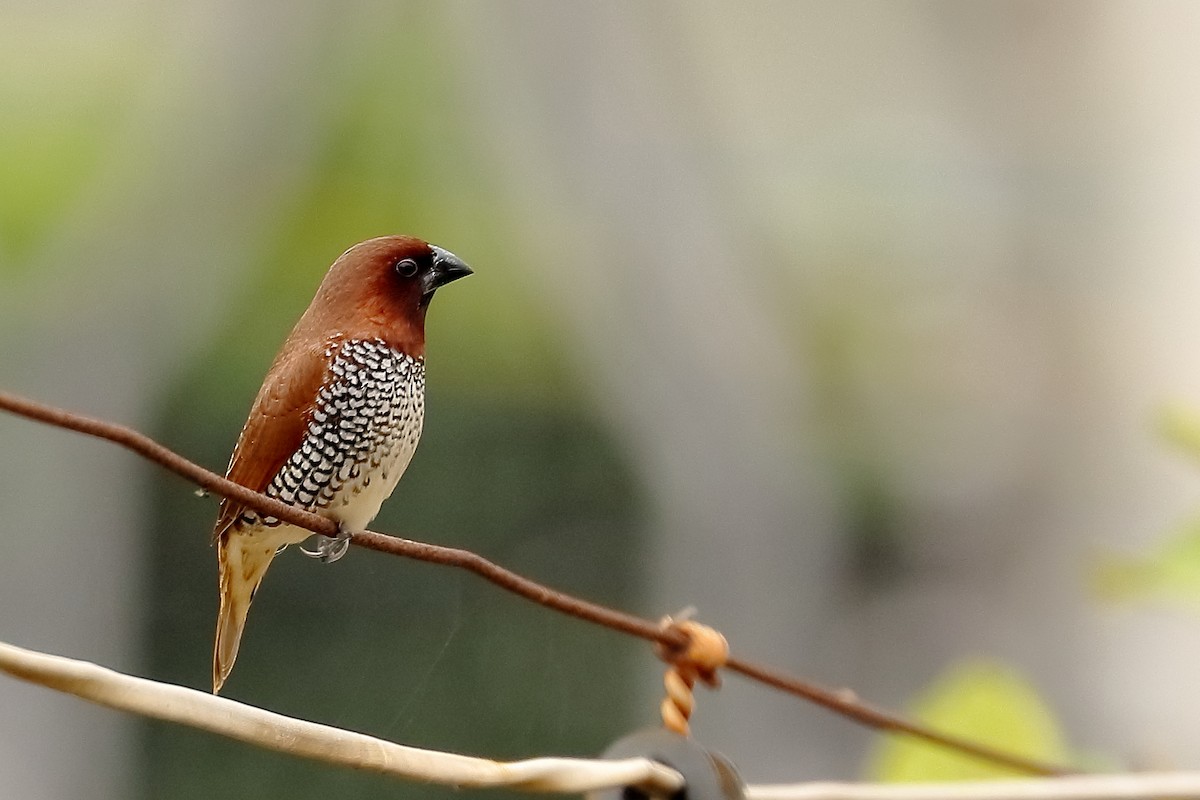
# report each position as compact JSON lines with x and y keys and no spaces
{"x":703,"y":652}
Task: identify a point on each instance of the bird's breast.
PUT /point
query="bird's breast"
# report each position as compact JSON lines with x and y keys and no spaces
{"x":361,"y":433}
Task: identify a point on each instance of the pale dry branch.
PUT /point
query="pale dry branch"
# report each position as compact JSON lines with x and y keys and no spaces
{"x":343,"y":748}
{"x":324,"y":743}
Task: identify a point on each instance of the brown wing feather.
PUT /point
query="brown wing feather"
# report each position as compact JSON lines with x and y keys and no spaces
{"x":276,"y":425}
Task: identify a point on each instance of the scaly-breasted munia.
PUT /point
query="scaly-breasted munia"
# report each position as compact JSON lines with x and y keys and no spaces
{"x":337,"y":418}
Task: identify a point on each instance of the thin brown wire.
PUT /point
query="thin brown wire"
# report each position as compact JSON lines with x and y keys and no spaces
{"x":843,"y":702}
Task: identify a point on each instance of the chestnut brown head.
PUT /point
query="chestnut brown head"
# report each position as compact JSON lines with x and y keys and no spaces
{"x":382,"y":288}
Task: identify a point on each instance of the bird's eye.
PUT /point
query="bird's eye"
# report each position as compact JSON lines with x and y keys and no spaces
{"x":406,"y":267}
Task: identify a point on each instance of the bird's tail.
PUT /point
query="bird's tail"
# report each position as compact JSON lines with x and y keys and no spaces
{"x":243,"y":561}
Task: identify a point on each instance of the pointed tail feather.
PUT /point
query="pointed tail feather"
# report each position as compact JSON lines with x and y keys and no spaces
{"x":243,"y":561}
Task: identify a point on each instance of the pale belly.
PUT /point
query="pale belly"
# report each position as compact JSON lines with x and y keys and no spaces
{"x":357,"y":504}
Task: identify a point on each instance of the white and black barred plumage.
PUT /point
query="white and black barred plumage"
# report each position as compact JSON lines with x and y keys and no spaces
{"x":361,"y":434}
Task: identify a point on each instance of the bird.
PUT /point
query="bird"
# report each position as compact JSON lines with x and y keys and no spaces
{"x":337,"y":418}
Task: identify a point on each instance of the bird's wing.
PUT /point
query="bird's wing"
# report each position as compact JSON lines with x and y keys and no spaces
{"x":276,"y":426}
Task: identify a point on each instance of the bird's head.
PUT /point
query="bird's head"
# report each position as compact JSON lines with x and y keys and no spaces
{"x":382,"y":287}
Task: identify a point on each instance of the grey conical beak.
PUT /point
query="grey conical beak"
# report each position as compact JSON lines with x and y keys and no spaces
{"x":447,"y":267}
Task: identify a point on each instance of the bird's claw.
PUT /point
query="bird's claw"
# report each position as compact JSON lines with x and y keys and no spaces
{"x":329,"y":548}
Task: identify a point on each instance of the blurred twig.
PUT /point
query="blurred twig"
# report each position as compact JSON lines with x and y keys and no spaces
{"x":1124,"y":786}
{"x":843,"y":702}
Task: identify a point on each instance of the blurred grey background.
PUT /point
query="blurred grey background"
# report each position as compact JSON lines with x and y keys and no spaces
{"x":844,"y":322}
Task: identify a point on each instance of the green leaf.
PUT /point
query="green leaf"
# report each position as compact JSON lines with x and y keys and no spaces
{"x":1180,"y":426}
{"x":979,"y":700}
{"x":1170,"y":572}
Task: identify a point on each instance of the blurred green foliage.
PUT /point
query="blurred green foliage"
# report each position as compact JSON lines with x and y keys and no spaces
{"x":57,"y":125}
{"x":1170,"y":571}
{"x":1180,"y":426}
{"x":978,"y":700}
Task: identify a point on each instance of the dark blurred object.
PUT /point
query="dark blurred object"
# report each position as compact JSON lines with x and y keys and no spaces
{"x":707,"y":775}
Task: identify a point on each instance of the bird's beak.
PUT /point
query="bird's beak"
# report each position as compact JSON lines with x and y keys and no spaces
{"x":447,"y":267}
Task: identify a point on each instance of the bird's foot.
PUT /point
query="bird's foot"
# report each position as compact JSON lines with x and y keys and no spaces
{"x":330,"y":548}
